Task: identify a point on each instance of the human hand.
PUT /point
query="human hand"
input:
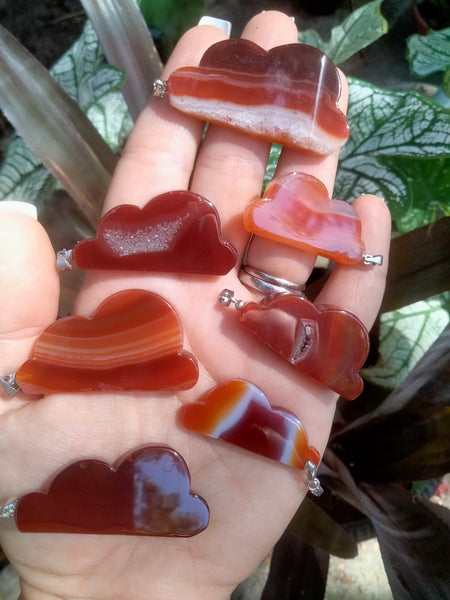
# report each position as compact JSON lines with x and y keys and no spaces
{"x":251,"y":499}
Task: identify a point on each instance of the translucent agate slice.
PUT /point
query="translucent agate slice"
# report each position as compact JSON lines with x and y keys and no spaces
{"x":287,"y":95}
{"x":147,"y":494}
{"x":176,"y":232}
{"x":239,"y":413}
{"x":132,"y":342}
{"x":296,"y":210}
{"x":328,"y":344}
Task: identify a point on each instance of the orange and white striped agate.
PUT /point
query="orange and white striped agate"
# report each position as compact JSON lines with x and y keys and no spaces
{"x":287,"y":95}
{"x":132,"y":342}
{"x":238,"y":412}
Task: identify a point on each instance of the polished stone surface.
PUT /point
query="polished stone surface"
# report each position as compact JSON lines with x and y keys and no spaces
{"x":132,"y":342}
{"x":287,"y":95}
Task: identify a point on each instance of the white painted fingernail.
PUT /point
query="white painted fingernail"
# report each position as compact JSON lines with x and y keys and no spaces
{"x":24,"y":208}
{"x":220,"y":23}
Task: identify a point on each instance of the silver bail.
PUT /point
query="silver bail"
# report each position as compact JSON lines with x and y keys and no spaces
{"x":64,"y":260}
{"x":313,"y":482}
{"x":159,"y":88}
{"x":9,"y":384}
{"x":226,"y":297}
{"x":373,"y":260}
{"x":8,"y":511}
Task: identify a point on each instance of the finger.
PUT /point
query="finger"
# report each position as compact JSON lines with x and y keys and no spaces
{"x":281,"y":260}
{"x":159,"y":154}
{"x":358,"y":288}
{"x":230,"y":166}
{"x":30,"y":287}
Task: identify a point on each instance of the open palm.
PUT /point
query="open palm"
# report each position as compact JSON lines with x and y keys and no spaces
{"x":251,"y":499}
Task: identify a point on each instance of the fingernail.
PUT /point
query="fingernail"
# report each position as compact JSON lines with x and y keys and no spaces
{"x":24,"y":208}
{"x":220,"y":23}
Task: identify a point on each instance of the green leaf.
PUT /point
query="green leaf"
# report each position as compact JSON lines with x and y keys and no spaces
{"x":446,"y":81}
{"x":95,"y":86}
{"x":274,"y":155}
{"x":58,"y":132}
{"x":429,"y":53}
{"x":428,"y":182}
{"x":386,"y":124}
{"x":360,"y":29}
{"x":127,"y":44}
{"x":405,"y":336}
{"x":171,"y":17}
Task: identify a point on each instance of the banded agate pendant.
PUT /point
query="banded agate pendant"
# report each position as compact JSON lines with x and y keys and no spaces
{"x":296,"y":210}
{"x":287,"y":95}
{"x":132,"y":342}
{"x":238,"y":412}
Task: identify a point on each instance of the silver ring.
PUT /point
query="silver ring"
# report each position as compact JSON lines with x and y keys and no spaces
{"x":264,"y":282}
{"x":268,"y":284}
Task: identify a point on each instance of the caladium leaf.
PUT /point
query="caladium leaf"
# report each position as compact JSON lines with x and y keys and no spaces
{"x":429,"y":53}
{"x":96,"y":87}
{"x":127,"y":43}
{"x":405,"y":336}
{"x":362,"y":27}
{"x":428,"y":181}
{"x":414,"y":539}
{"x":412,"y":423}
{"x":62,"y":137}
{"x":386,"y":124}
{"x":274,"y":155}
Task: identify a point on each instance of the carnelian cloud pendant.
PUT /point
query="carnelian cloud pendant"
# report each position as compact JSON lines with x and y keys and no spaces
{"x":295,"y":210}
{"x":175,"y":232}
{"x":287,"y":95}
{"x":132,"y":342}
{"x":147,"y":494}
{"x":238,"y":412}
{"x":328,"y":344}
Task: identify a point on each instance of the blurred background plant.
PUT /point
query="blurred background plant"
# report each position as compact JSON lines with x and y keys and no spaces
{"x":388,"y":450}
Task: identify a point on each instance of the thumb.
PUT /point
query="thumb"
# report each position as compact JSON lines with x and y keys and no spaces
{"x":29,"y":284}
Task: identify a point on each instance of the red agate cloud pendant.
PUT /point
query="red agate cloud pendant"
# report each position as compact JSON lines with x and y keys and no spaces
{"x":133,"y":342}
{"x":287,"y":95}
{"x":147,"y":494}
{"x":328,"y":344}
{"x":239,"y":412}
{"x":296,"y":210}
{"x":175,"y":232}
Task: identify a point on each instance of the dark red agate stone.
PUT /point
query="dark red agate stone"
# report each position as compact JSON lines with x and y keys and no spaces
{"x":148,"y":494}
{"x":132,"y":342}
{"x":287,"y":95}
{"x":176,"y":232}
{"x":328,"y":344}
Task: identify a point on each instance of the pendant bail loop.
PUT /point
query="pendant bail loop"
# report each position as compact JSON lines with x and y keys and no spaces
{"x":313,"y":482}
{"x":9,"y":384}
